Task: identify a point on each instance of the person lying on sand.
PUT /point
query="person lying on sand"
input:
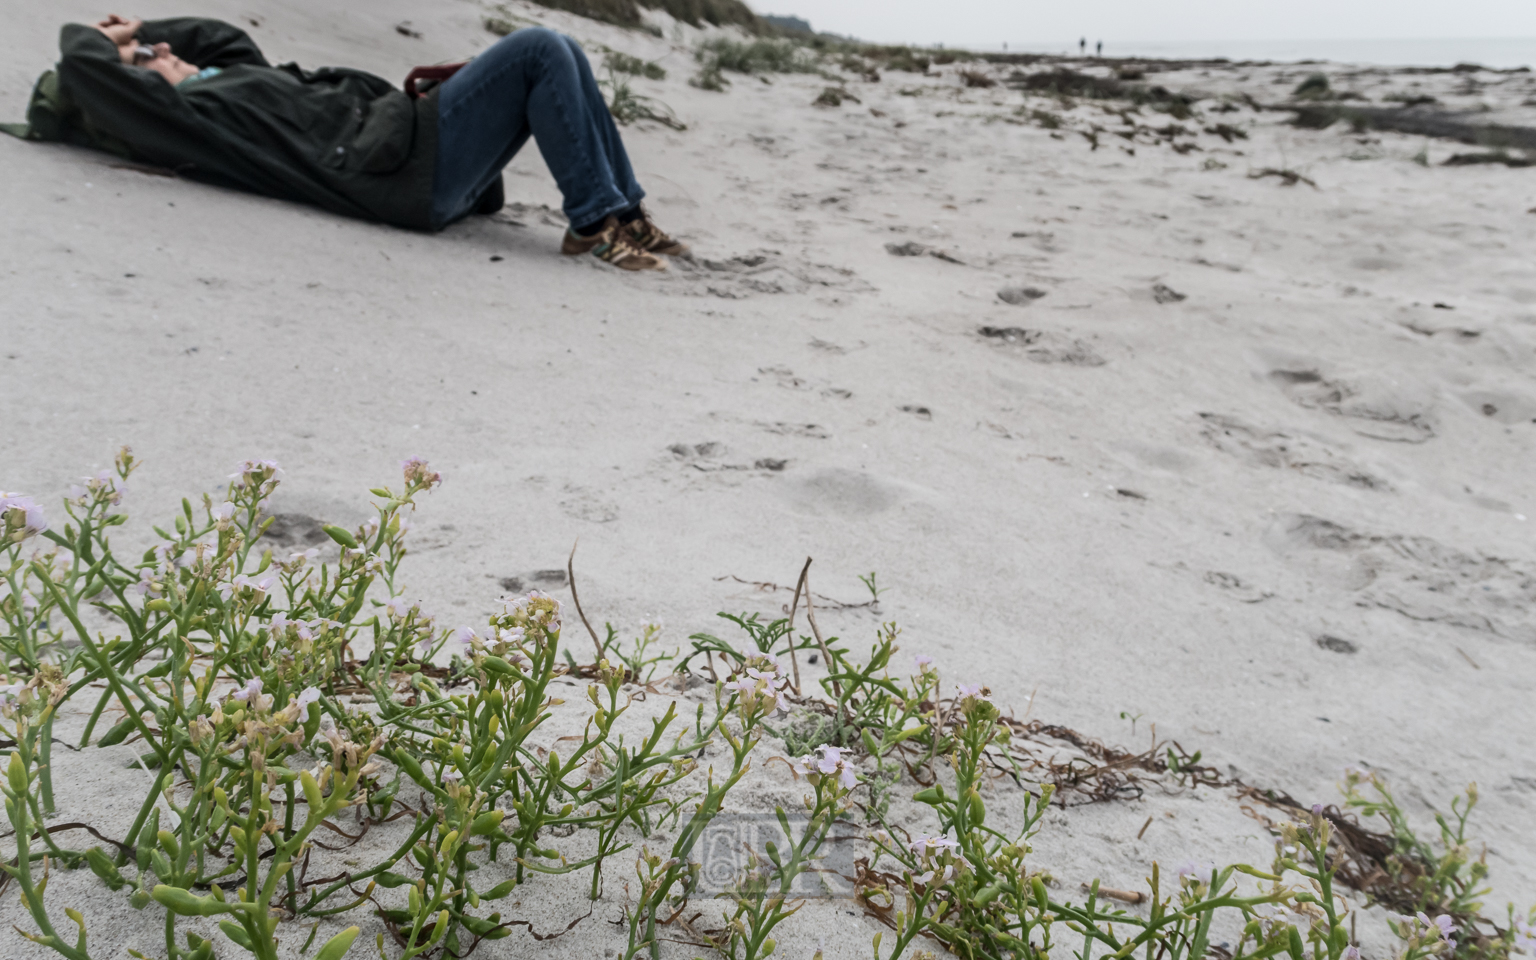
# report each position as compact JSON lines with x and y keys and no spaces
{"x":198,"y":97}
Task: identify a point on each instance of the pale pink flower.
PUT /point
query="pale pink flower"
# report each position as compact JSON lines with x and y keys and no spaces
{"x":926,"y":846}
{"x":255,"y":472}
{"x":831,"y":762}
{"x":464,"y":639}
{"x":1443,"y":925}
{"x":510,"y":634}
{"x":247,"y":588}
{"x":417,"y":471}
{"x":250,"y":691}
{"x":20,"y":517}
{"x":1525,"y":937}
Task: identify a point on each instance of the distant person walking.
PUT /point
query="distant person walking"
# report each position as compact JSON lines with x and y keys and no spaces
{"x":1098,"y":49}
{"x":1082,"y":46}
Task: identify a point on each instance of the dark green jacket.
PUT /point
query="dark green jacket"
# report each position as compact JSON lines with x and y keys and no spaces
{"x":336,"y":138}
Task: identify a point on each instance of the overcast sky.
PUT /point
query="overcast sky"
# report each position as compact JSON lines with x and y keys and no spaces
{"x":990,"y":22}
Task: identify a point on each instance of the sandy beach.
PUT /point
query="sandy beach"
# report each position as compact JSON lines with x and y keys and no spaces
{"x":1126,"y":427}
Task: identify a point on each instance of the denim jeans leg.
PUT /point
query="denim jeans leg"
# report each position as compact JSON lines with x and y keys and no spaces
{"x":613,"y":145}
{"x":482,"y":121}
{"x":576,"y":134}
{"x":532,"y":82}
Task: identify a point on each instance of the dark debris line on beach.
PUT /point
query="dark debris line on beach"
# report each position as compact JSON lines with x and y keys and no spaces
{"x":1413,"y":120}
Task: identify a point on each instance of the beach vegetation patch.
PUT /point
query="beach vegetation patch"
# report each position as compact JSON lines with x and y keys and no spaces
{"x":627,"y":106}
{"x":709,"y":78}
{"x":756,"y":56}
{"x":1045,"y":118}
{"x":1314,"y":87}
{"x":833,"y":97}
{"x":503,"y":24}
{"x":267,"y":691}
{"x":695,"y":13}
{"x":1062,"y":82}
{"x":619,"y":62}
{"x":979,"y":79}
{"x":904,"y":59}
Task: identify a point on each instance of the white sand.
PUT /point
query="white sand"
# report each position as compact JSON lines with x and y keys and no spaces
{"x":1138,"y":506}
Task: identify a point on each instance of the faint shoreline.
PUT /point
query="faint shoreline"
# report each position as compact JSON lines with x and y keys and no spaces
{"x":1496,"y":53}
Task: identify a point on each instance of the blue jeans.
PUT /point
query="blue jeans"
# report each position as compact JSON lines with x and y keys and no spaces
{"x":533,"y":82}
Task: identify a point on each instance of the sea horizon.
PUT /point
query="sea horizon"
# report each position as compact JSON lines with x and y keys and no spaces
{"x":1497,"y":52}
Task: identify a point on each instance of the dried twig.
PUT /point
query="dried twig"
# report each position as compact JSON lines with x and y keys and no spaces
{"x":570,"y":573}
{"x":767,"y":586}
{"x":794,"y":605}
{"x":1124,"y":896}
{"x":810,"y":616}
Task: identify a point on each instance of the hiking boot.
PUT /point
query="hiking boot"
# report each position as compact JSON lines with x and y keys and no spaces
{"x":652,"y":239}
{"x":612,"y":244}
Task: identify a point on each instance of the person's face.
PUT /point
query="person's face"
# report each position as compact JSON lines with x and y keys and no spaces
{"x":160,"y":59}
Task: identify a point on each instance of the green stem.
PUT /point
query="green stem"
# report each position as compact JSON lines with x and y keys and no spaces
{"x":45,"y":758}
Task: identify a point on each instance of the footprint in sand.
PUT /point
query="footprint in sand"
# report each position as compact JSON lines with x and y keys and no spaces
{"x":845,"y":493}
{"x":1372,"y":406}
{"x":1417,"y":577}
{"x":812,"y":431}
{"x":296,"y":531}
{"x":580,"y":503}
{"x":758,"y":272}
{"x":1043,"y":346}
{"x":789,"y":380}
{"x":1283,"y":451}
{"x":1236,"y":587}
{"x":551,"y":579}
{"x":708,"y":457}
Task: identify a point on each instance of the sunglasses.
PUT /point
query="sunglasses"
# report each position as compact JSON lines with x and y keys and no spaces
{"x":142,"y":54}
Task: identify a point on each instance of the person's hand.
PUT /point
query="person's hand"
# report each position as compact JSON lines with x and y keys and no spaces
{"x":120,"y":31}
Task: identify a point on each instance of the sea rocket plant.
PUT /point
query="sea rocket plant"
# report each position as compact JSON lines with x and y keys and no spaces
{"x":265,"y":693}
